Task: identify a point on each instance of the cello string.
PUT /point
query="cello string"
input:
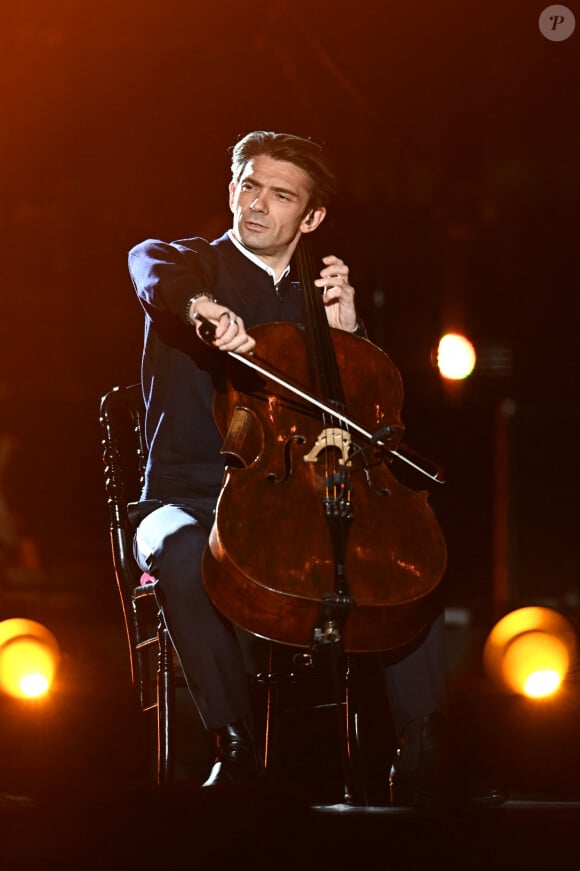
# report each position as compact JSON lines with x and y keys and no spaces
{"x":321,"y":352}
{"x":319,"y":334}
{"x":312,"y":326}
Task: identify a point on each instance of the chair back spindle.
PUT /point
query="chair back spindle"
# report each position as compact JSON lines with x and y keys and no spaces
{"x":153,"y":672}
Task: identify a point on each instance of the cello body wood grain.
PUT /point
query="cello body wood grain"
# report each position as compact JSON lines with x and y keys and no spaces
{"x":312,"y":522}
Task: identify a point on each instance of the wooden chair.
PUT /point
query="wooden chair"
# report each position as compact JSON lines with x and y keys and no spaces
{"x":151,"y":660}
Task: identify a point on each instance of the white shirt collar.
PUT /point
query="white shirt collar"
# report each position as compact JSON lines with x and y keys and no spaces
{"x":255,"y":259}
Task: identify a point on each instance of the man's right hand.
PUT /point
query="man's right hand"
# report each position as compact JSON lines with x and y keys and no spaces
{"x":230,"y":333}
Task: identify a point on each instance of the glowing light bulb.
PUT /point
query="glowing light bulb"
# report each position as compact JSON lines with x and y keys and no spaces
{"x":542,"y":683}
{"x":29,"y":657}
{"x":530,"y":651}
{"x":455,"y":357}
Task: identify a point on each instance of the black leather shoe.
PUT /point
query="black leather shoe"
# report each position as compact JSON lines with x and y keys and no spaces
{"x":418,"y":776}
{"x":238,"y":759}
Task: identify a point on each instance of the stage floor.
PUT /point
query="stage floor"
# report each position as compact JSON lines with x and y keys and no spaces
{"x":259,"y":829}
{"x":77,"y":785}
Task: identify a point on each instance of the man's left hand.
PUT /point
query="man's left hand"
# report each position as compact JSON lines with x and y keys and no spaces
{"x":338,"y":294}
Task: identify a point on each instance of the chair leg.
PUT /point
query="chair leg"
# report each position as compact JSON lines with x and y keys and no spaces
{"x":339,"y":673}
{"x":271,"y":680}
{"x":352,"y":738}
{"x":165,"y":709}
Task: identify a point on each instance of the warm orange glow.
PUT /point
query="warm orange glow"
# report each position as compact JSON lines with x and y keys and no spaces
{"x":542,"y":683}
{"x":531,"y":658}
{"x":455,"y":357}
{"x":530,"y":651}
{"x":29,"y":657}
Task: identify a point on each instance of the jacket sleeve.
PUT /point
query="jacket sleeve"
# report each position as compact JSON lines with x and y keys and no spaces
{"x":167,"y":274}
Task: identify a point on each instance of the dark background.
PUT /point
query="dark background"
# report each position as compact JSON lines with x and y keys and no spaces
{"x":455,"y":131}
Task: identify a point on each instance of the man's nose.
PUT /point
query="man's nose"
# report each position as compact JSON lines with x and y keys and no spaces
{"x":258,"y":204}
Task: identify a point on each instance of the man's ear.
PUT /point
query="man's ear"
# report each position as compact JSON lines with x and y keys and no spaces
{"x":232,"y":191}
{"x":312,"y":219}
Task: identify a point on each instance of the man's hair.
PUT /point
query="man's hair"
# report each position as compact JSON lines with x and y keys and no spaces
{"x":305,"y":153}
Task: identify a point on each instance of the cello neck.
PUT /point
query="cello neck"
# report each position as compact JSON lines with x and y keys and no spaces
{"x":322,"y":360}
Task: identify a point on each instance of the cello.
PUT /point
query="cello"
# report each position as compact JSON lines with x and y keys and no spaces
{"x":314,"y":537}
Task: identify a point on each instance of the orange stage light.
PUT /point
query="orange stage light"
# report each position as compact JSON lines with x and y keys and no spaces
{"x":455,"y":357}
{"x":29,"y":657}
{"x":530,"y":651}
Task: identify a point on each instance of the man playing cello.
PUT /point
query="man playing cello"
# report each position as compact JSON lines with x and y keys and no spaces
{"x":280,"y":188}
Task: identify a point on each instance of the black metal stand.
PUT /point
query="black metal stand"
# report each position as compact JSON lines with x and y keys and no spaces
{"x":328,"y":636}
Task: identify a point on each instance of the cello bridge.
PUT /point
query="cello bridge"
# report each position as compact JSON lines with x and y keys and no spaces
{"x":330,"y":437}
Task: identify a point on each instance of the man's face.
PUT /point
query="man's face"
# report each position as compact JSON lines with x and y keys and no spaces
{"x":269,"y":204}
